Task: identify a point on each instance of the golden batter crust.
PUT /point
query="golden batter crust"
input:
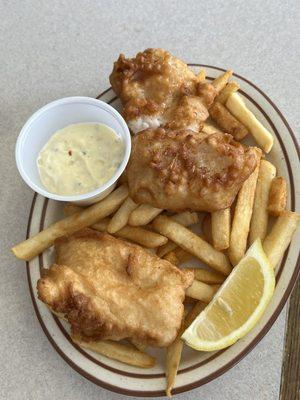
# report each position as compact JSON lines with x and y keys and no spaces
{"x":178,"y":170}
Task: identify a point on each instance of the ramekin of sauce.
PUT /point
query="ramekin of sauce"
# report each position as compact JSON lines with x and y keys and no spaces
{"x":73,"y":149}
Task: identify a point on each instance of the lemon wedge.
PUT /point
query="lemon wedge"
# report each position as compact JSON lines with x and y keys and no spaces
{"x":237,"y":306}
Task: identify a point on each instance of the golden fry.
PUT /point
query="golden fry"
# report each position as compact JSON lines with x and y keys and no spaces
{"x":138,"y":345}
{"x":192,"y":243}
{"x":192,"y":315}
{"x":134,"y":234}
{"x":186,"y":218}
{"x":238,"y":108}
{"x":71,"y":209}
{"x":101,"y":226}
{"x":242,"y":218}
{"x":210,"y":129}
{"x":205,"y":276}
{"x":221,"y":81}
{"x":259,"y":220}
{"x":142,"y":236}
{"x":201,"y":76}
{"x":120,"y":218}
{"x":143,"y":215}
{"x":226,"y":92}
{"x":220,"y":229}
{"x":166,"y":248}
{"x":277,"y":196}
{"x":38,"y":243}
{"x":118,"y":351}
{"x":226,"y":121}
{"x":173,"y":356}
{"x":201,"y":291}
{"x":174,"y":351}
{"x":280,"y":236}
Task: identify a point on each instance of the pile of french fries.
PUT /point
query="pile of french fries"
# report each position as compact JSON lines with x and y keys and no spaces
{"x":226,"y":234}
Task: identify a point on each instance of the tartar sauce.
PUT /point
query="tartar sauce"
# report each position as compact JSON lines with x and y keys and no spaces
{"x":79,"y":158}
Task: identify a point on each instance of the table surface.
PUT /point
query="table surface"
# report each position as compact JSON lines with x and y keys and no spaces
{"x":58,"y":48}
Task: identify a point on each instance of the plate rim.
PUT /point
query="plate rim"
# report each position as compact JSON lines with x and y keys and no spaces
{"x":232,"y":362}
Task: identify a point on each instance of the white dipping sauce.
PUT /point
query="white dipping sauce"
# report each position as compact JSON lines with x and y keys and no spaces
{"x":79,"y":158}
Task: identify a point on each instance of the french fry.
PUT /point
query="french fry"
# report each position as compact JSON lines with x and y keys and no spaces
{"x":174,"y":351}
{"x":185,"y":218}
{"x":226,"y":92}
{"x":142,"y":215}
{"x":221,"y":81}
{"x":259,"y":220}
{"x":70,"y":209}
{"x":192,"y":243}
{"x":206,"y":228}
{"x":226,"y":121}
{"x":166,"y":248}
{"x":120,"y":218}
{"x":192,"y":315}
{"x":242,"y":218}
{"x":238,"y":108}
{"x":134,"y":234}
{"x":205,"y":276}
{"x":210,"y":129}
{"x":200,"y":291}
{"x":220,"y":229}
{"x":142,"y":236}
{"x":201,"y":76}
{"x":101,"y":225}
{"x":277,"y":196}
{"x":173,"y":357}
{"x":138,"y":345}
{"x":280,"y":236}
{"x":38,"y":243}
{"x":118,"y":351}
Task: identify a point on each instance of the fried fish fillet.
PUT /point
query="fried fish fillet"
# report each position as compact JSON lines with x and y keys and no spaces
{"x":178,"y":170}
{"x":157,"y":89}
{"x":111,"y":289}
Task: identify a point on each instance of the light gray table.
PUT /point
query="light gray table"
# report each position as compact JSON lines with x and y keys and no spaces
{"x":53,"y":49}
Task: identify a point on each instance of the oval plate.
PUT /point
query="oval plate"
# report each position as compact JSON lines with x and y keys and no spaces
{"x":196,"y":368}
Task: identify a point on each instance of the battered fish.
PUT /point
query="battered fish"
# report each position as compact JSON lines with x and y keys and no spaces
{"x":158,"y":89}
{"x":110,"y":289}
{"x":179,"y":170}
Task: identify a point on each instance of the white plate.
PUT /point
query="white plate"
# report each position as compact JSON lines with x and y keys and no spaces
{"x":196,"y":368}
